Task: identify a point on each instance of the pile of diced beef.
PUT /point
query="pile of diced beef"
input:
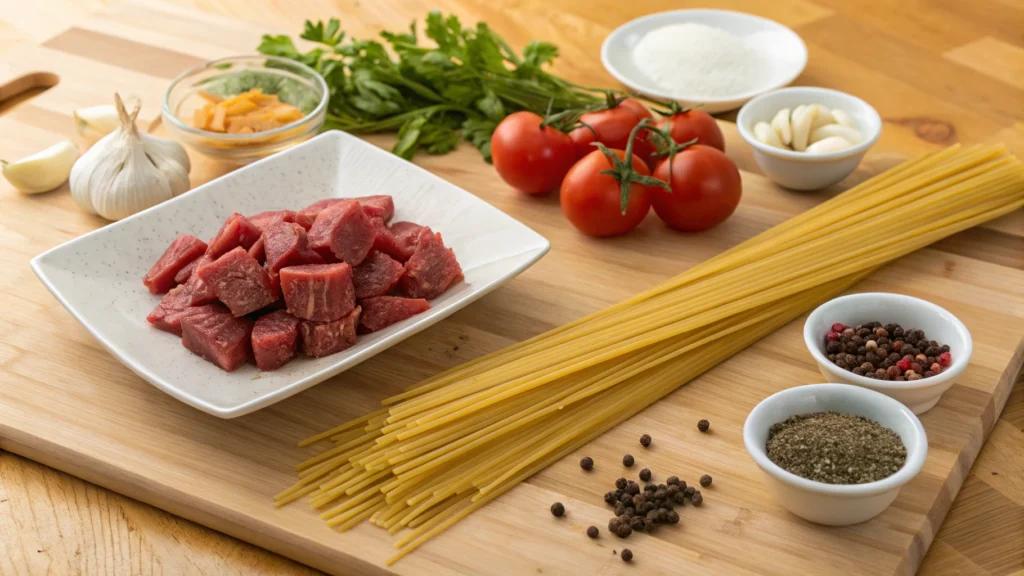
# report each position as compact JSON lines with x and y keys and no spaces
{"x":272,"y":284}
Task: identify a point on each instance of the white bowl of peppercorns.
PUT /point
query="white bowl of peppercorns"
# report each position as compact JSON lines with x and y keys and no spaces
{"x":904,"y":347}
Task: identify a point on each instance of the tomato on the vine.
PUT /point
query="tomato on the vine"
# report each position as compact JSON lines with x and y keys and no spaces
{"x":686,"y":125}
{"x":706,"y":188}
{"x":611,"y":127}
{"x":531,"y":158}
{"x":592,"y":201}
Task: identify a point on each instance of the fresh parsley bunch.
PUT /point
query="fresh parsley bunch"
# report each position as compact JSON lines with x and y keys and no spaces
{"x":466,"y":82}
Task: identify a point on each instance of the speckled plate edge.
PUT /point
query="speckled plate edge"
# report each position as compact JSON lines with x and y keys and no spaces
{"x":522,"y":257}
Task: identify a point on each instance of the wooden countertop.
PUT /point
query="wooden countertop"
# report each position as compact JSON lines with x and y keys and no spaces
{"x":938,"y":71}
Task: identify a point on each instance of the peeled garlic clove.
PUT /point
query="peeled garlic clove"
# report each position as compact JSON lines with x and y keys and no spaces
{"x":851,"y":135}
{"x":765,"y":134}
{"x":780,"y":123}
{"x":843,"y":119}
{"x":95,"y":122}
{"x":42,"y":171}
{"x":830,"y":144}
{"x":823,"y":117}
{"x":802,"y":120}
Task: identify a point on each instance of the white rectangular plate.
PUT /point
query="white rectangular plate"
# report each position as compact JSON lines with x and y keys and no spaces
{"x":98,"y":277}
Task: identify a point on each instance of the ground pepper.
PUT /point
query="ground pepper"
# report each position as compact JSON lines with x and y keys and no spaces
{"x":836,"y":448}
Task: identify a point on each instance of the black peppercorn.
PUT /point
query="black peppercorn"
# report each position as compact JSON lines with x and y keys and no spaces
{"x":593,"y":532}
{"x":621,"y":483}
{"x":696,"y":499}
{"x":637,"y":523}
{"x":703,"y":425}
{"x":705,"y":481}
{"x":850,"y":347}
{"x":645,"y":440}
{"x":557,"y":509}
{"x":833,"y":347}
{"x":672,"y":480}
{"x":690,"y":491}
{"x":944,"y":348}
{"x":624,"y":531}
{"x":645,"y":474}
{"x":627,"y":460}
{"x":632,"y":488}
{"x":626,"y":555}
{"x":587,"y":463}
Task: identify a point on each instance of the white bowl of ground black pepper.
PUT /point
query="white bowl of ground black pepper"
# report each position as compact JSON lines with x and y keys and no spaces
{"x":830,"y":503}
{"x":910,"y":313}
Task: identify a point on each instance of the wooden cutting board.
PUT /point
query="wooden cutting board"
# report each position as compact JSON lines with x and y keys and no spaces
{"x":67,"y":403}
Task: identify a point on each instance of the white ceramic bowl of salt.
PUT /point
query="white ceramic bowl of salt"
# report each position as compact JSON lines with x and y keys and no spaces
{"x":834,"y":504}
{"x":746,"y":56}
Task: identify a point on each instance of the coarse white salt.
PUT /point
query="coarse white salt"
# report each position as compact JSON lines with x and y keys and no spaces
{"x":695,"y":61}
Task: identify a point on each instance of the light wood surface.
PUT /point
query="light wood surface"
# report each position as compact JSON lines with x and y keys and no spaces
{"x":57,"y":380}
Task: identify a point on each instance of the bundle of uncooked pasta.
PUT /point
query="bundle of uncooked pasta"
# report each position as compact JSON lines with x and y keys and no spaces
{"x":458,"y":440}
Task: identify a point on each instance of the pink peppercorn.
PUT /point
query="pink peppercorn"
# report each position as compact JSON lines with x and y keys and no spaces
{"x":849,"y":332}
{"x":945,"y":359}
{"x":838,"y":327}
{"x":903,"y":364}
{"x":921,"y":358}
{"x":893,"y":372}
{"x":936,"y":368}
{"x":832,"y":336}
{"x":917,"y":367}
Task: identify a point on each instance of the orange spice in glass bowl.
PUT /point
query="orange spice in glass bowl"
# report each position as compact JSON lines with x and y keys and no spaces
{"x":244,"y":108}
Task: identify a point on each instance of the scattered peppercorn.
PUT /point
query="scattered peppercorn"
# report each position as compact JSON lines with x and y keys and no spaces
{"x":690,"y":491}
{"x":671,"y":480}
{"x":621,"y":483}
{"x":627,"y":460}
{"x":593,"y":532}
{"x":626,"y":555}
{"x":705,"y":481}
{"x":587,"y":463}
{"x":703,"y":425}
{"x":645,"y":475}
{"x":645,"y":440}
{"x":696,"y":499}
{"x":557,"y":509}
{"x":887,"y":352}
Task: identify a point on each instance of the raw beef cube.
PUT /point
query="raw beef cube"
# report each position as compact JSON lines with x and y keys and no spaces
{"x":199,"y":291}
{"x":318,"y":292}
{"x":185,"y":273}
{"x":324,"y":338}
{"x":259,"y":250}
{"x":286,"y":245}
{"x":181,"y":252}
{"x":383,"y":311}
{"x":377,"y":275}
{"x":431,"y":269}
{"x":399,"y":241}
{"x":275,"y":338}
{"x":239,"y":281}
{"x":344,"y":231}
{"x":174,"y":307}
{"x":264,"y":219}
{"x":236,"y":231}
{"x":382,"y":207}
{"x":307,"y":215}
{"x":219,"y":338}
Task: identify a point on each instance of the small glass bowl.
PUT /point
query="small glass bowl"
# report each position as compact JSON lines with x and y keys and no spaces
{"x":298,"y":85}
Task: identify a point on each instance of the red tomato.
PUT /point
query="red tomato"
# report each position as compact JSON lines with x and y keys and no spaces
{"x":592,"y":201}
{"x":691,"y":124}
{"x":706,"y":189}
{"x":529,"y":158}
{"x":613,"y":127}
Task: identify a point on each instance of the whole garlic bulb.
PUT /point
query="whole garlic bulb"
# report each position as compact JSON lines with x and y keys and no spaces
{"x":128,"y":171}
